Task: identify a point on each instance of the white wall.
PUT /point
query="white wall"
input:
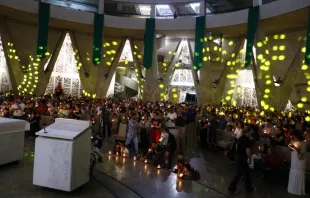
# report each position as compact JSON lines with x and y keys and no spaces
{"x":267,"y":10}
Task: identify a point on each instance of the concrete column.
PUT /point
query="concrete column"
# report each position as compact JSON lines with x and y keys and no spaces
{"x":153,"y":11}
{"x":101,"y":7}
{"x":202,"y":8}
{"x":257,"y":3}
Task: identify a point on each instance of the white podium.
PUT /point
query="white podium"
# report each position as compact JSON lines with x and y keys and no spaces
{"x":62,"y":155}
{"x":12,"y":137}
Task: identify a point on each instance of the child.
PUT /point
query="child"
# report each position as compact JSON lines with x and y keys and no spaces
{"x":151,"y":152}
{"x":166,"y":164}
{"x":180,"y":158}
{"x":117,"y":149}
{"x":189,"y":173}
{"x":124,"y":151}
{"x":97,"y":141}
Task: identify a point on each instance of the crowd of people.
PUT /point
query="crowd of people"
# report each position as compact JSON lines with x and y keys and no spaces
{"x":156,"y":130}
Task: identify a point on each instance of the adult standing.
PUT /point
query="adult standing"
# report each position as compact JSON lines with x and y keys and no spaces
{"x":296,"y":184}
{"x":214,"y":125}
{"x":171,"y":125}
{"x":242,"y":155}
{"x":203,"y":125}
{"x":133,"y":132}
{"x":155,"y":128}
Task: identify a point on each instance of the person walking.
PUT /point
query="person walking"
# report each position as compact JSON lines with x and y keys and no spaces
{"x":133,"y":132}
{"x":242,"y":155}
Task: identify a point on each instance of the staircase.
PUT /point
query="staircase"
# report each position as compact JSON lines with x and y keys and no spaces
{"x":131,"y":87}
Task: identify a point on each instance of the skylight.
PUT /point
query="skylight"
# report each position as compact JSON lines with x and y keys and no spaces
{"x":145,"y":10}
{"x":164,"y":10}
{"x":195,"y":7}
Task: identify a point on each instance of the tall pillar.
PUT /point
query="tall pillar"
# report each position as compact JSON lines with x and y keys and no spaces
{"x":257,"y":3}
{"x":101,"y":7}
{"x":153,"y":11}
{"x":151,"y":85}
{"x":202,"y":8}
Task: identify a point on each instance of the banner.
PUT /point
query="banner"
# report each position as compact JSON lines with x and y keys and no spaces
{"x":44,"y":16}
{"x":98,"y":34}
{"x":149,"y":37}
{"x":253,"y":17}
{"x":199,"y":40}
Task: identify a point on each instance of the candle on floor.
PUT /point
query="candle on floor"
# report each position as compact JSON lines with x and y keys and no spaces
{"x":117,"y":153}
{"x":110,"y":152}
{"x":124,"y":155}
{"x":150,"y":150}
{"x":134,"y":158}
{"x":158,"y":167}
{"x":181,"y":175}
{"x":145,"y":161}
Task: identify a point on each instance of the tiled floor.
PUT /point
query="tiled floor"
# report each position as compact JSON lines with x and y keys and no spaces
{"x":118,"y":177}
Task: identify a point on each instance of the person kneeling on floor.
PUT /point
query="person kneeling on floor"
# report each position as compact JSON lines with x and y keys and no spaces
{"x":187,"y":172}
{"x":180,"y":158}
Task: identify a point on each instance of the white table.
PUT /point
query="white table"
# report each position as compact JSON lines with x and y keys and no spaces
{"x":12,"y":137}
{"x":62,"y":155}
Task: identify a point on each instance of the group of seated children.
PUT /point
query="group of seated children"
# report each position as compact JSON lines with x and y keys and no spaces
{"x":159,"y":156}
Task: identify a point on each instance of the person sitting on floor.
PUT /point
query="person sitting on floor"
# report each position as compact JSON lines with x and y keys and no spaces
{"x":181,"y":158}
{"x":117,"y":149}
{"x":97,"y":141}
{"x":166,"y":164}
{"x":187,"y":172}
{"x":149,"y":155}
{"x":124,"y":151}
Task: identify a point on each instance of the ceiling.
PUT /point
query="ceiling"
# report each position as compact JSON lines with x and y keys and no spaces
{"x":292,"y":21}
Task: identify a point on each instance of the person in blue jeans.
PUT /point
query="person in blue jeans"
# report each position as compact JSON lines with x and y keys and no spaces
{"x":133,"y":132}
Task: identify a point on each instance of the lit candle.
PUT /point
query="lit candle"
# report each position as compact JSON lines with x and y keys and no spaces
{"x":158,"y":167}
{"x":181,"y":174}
{"x":110,"y":152}
{"x":134,"y":158}
{"x":150,"y":150}
{"x":124,"y":155}
{"x":145,"y":161}
{"x":117,"y":153}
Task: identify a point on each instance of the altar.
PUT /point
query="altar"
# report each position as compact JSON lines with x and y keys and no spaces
{"x":62,"y":155}
{"x":12,"y":137}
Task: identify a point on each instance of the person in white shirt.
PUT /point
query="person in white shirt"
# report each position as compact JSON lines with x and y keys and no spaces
{"x":164,"y":137}
{"x":17,"y":110}
{"x":238,"y":132}
{"x":172,"y":116}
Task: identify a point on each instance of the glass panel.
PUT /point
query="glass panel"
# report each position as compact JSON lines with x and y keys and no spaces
{"x":164,"y":10}
{"x":5,"y":83}
{"x":65,"y":71}
{"x":126,"y":53}
{"x":145,"y":10}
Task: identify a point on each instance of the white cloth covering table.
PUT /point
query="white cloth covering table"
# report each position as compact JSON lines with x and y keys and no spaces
{"x":12,"y":137}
